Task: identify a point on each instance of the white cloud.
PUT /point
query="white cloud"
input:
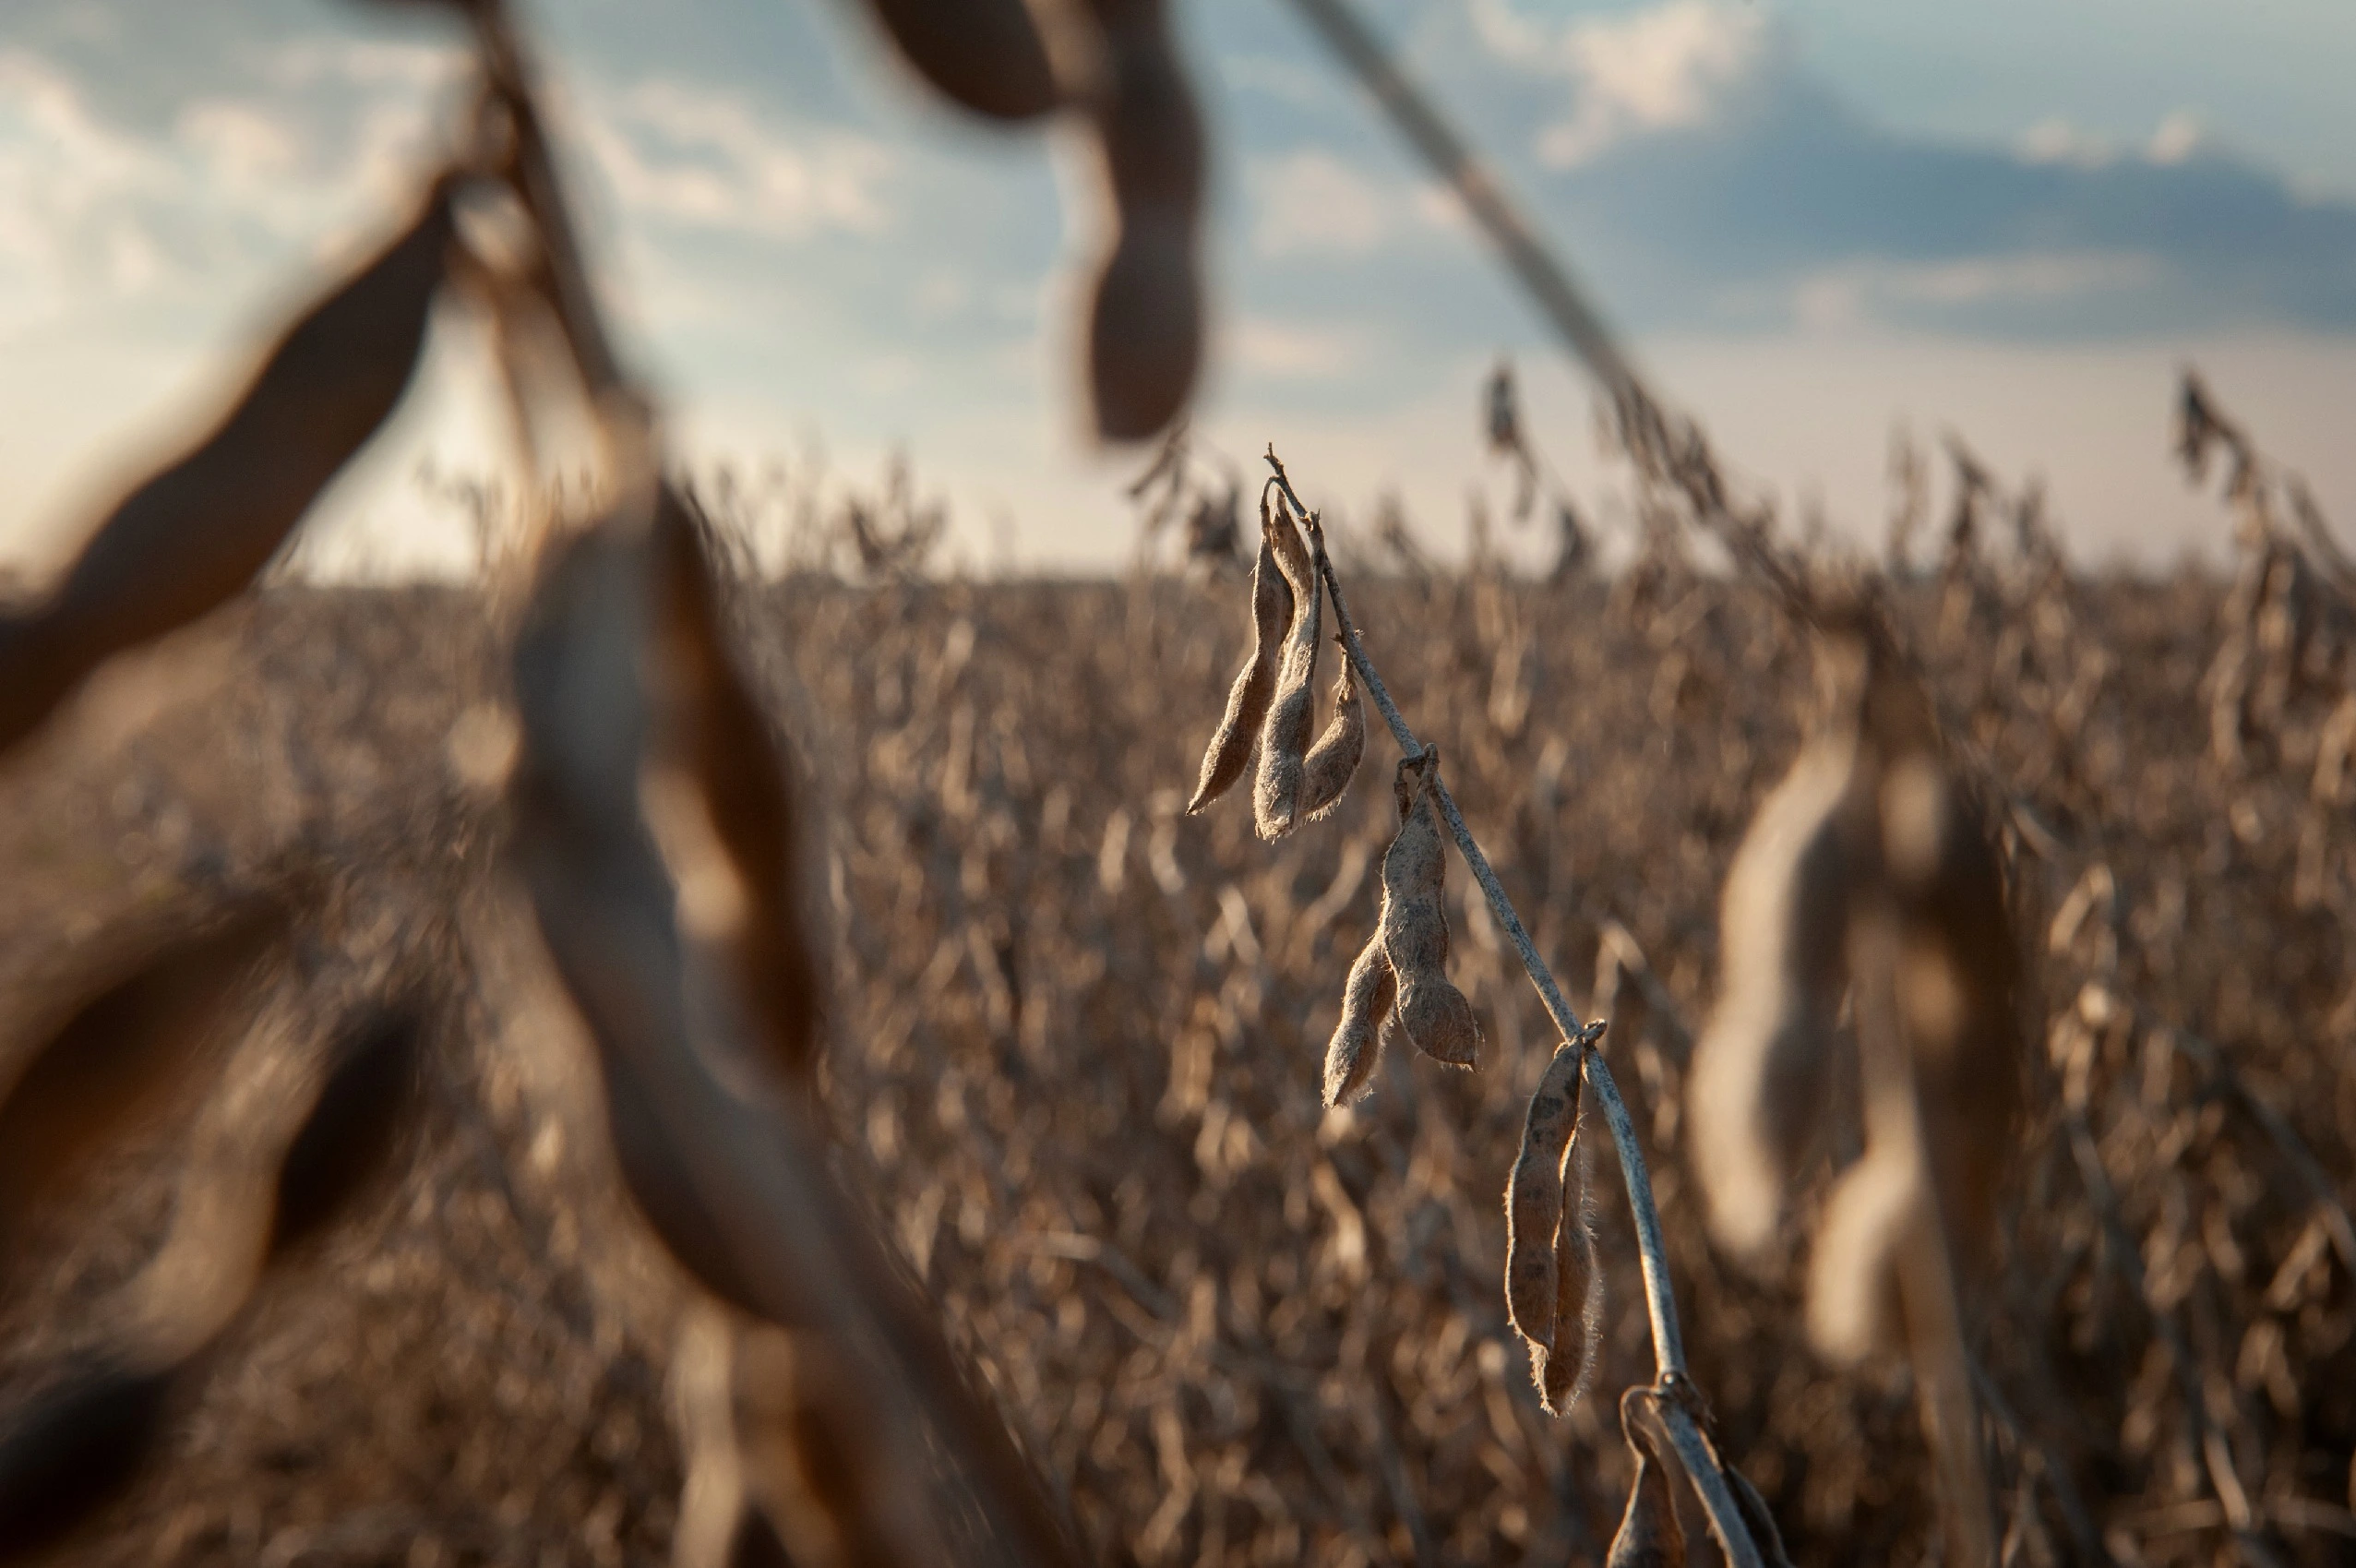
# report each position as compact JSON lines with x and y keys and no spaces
{"x":2056,"y":141}
{"x":2179,"y":137}
{"x":1282,"y":351}
{"x":1313,"y":204}
{"x":1667,"y":67}
{"x":93,"y":209}
{"x":364,"y":62}
{"x":1861,"y":293}
{"x":703,"y":158}
{"x":241,"y":144}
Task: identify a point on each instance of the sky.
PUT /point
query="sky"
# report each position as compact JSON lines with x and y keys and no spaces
{"x":1815,"y":220}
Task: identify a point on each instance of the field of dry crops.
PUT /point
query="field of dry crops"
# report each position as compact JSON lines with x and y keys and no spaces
{"x":1076,"y":1048}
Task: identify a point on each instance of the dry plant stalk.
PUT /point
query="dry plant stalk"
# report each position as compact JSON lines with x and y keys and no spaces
{"x":1400,"y":980}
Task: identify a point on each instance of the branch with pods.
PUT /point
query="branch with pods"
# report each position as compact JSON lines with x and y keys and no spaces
{"x":1398,"y":990}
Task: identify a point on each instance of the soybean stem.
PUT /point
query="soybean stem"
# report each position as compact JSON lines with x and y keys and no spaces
{"x":1661,"y":1300}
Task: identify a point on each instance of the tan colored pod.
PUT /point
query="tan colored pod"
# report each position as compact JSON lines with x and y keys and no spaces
{"x":1145,"y":330}
{"x":1283,"y":734}
{"x":1649,"y":1534}
{"x":1238,"y":732}
{"x":1570,"y":1362}
{"x":1534,"y":1197}
{"x":1145,"y":326}
{"x":1333,"y":760}
{"x":1357,"y":1047}
{"x":1852,"y":1273}
{"x":193,"y":535}
{"x":1758,"y":1083}
{"x":985,"y":56}
{"x":1958,"y":976}
{"x":1433,"y":1013}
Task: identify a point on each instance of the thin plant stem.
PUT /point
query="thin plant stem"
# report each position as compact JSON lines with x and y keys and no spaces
{"x":1661,"y":1300}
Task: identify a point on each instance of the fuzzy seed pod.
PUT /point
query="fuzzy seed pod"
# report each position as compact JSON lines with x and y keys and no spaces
{"x":1649,"y":1534}
{"x":1271,"y":611}
{"x":1333,"y":760}
{"x":1534,"y":1198}
{"x":193,"y":535}
{"x":1957,"y":979}
{"x":1756,"y":1518}
{"x":1759,"y":1070}
{"x":1356,"y":1047}
{"x":1569,"y":1360}
{"x":1852,"y":1273}
{"x":985,"y":54}
{"x":135,"y":1046}
{"x":1145,"y":332}
{"x":1433,"y":1013}
{"x":1283,"y":734}
{"x":75,"y":1447}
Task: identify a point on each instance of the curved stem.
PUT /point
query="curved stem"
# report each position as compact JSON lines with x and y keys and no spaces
{"x":1661,"y":1300}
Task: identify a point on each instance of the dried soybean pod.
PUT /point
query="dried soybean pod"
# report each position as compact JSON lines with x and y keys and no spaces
{"x":1145,"y":326}
{"x":1333,"y":760}
{"x":1578,"y":1287}
{"x":1649,"y":1534}
{"x":75,"y":1447}
{"x":1534,"y":1198}
{"x":1238,"y":732}
{"x":126,"y":1049}
{"x":747,"y":786}
{"x":1852,"y":1273}
{"x":347,"y":1143}
{"x":1759,"y":1068}
{"x":985,"y":56}
{"x":1433,"y":1013}
{"x":1357,"y":1047}
{"x":1957,"y":982}
{"x":193,"y":534}
{"x":1283,"y":734}
{"x":1756,"y":1518}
